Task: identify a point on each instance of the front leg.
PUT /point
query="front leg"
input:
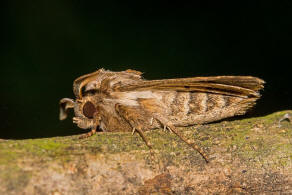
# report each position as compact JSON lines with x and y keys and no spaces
{"x":89,"y":134}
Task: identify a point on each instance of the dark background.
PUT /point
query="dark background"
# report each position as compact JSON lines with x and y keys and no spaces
{"x":45,"y":45}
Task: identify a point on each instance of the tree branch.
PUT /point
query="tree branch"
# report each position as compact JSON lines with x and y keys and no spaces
{"x":246,"y":156}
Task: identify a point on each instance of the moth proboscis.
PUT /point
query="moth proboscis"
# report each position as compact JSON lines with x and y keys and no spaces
{"x":125,"y":102}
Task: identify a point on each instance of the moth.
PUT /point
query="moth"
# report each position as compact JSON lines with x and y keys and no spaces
{"x":126,"y":102}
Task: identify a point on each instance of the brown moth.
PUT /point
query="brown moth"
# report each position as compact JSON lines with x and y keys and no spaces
{"x":125,"y":102}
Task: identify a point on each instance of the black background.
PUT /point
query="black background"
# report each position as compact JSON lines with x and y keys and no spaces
{"x":45,"y":45}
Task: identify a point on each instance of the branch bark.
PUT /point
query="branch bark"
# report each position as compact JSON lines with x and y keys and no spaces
{"x":247,"y":156}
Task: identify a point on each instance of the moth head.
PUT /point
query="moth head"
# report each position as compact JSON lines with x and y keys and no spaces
{"x":85,"y":111}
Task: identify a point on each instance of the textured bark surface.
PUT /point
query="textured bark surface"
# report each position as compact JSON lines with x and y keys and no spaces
{"x":247,"y":156}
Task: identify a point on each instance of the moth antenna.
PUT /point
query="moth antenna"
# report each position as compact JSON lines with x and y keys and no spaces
{"x":82,"y":81}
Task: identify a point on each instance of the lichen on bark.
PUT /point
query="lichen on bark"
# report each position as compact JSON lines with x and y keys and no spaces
{"x":250,"y":155}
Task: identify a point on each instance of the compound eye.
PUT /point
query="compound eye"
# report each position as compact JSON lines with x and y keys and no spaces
{"x":89,"y":109}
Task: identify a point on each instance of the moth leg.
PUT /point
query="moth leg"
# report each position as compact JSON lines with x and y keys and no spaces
{"x":172,"y":128}
{"x":144,"y":138}
{"x":89,"y":134}
{"x":190,"y":143}
{"x":131,"y":115}
{"x":165,"y":128}
{"x":133,"y":131}
{"x":148,"y":144}
{"x":151,"y":121}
